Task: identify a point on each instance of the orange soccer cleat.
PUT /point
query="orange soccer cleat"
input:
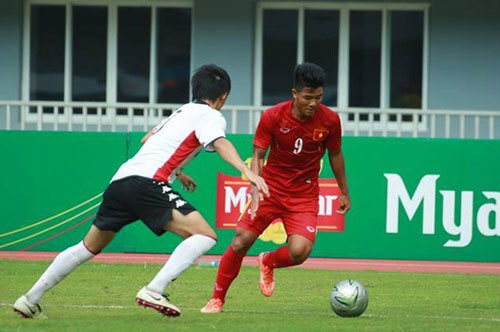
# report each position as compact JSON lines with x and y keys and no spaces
{"x":214,"y":306}
{"x":266,"y":281}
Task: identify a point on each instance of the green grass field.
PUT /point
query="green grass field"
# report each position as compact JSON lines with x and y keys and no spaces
{"x":101,"y":297}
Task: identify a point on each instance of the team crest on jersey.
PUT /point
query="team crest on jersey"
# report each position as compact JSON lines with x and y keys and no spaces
{"x":320,"y":134}
{"x":311,"y":229}
{"x":285,"y":130}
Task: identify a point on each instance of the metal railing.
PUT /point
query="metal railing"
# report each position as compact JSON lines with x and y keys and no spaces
{"x":95,"y":116}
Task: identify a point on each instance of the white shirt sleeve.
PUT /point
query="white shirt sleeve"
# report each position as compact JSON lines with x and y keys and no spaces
{"x":211,"y":127}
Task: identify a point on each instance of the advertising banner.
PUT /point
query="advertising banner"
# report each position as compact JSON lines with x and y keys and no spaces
{"x":234,"y":199}
{"x":429,"y":199}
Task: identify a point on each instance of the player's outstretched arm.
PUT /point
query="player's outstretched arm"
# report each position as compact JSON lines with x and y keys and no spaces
{"x":227,"y":151}
{"x":256,"y":167}
{"x":338,"y":168}
{"x":257,"y":160}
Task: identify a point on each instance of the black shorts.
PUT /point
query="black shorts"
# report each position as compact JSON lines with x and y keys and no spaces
{"x":135,"y":197}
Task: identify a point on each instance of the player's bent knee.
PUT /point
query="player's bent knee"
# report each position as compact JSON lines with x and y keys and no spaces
{"x":203,"y":230}
{"x":96,"y":240}
{"x":206,"y":230}
{"x":243,"y":240}
{"x":95,"y":250}
{"x":210,"y":234}
{"x":190,"y":224}
{"x":298,"y":259}
{"x":240,"y":244}
{"x":299,"y":255}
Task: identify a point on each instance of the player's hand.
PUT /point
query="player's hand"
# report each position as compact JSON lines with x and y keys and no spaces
{"x":257,"y":181}
{"x":187,"y":182}
{"x":344,"y":204}
{"x":257,"y":196}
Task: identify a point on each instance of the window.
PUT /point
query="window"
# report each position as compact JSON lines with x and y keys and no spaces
{"x":108,"y":53}
{"x":280,"y":54}
{"x":374,"y":55}
{"x":174,"y":52}
{"x":321,"y":46}
{"x":364,"y":58}
{"x":90,"y":25}
{"x":47,"y":53}
{"x":134,"y":25}
{"x":407,"y":40}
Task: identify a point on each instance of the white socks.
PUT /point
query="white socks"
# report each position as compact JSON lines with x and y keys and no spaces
{"x":182,"y":258}
{"x":63,"y":264}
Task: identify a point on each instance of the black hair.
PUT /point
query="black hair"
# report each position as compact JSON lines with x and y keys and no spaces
{"x":210,"y":82}
{"x":308,"y":75}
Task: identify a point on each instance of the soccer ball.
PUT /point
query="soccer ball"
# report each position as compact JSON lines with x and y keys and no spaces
{"x":348,"y":298}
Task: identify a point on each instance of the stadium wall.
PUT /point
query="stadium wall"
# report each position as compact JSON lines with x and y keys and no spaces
{"x":412,"y":198}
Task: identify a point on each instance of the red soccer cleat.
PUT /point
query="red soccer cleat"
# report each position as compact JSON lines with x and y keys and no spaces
{"x":266,"y":281}
{"x":214,"y":306}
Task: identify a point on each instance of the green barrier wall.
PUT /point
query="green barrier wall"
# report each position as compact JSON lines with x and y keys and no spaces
{"x":412,"y":198}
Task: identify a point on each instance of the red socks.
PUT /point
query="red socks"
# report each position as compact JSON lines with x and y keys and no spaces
{"x":229,"y":268}
{"x":278,"y":258}
{"x":230,"y":265}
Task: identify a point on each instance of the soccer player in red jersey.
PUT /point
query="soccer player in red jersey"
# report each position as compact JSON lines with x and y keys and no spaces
{"x":297,"y":132}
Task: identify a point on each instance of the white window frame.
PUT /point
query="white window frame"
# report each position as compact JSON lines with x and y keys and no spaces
{"x":112,"y":49}
{"x":343,"y":57}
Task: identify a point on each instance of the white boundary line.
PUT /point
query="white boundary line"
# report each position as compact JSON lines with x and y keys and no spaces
{"x":344,"y":264}
{"x":301,"y":312}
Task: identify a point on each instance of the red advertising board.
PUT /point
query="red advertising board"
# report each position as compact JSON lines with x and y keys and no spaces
{"x":233,"y":198}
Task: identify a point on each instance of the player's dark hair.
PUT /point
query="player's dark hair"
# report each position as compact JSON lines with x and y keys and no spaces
{"x":308,"y":75}
{"x":210,"y":82}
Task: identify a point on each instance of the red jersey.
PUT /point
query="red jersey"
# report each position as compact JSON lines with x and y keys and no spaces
{"x":293,"y":163}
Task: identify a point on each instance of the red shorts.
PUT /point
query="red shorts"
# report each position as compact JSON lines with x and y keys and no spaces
{"x":299,"y":215}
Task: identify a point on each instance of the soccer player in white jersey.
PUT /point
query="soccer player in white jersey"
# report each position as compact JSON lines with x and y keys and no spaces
{"x":140,"y":189}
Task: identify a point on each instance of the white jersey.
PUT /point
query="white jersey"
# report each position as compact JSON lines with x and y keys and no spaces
{"x":176,"y":140}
